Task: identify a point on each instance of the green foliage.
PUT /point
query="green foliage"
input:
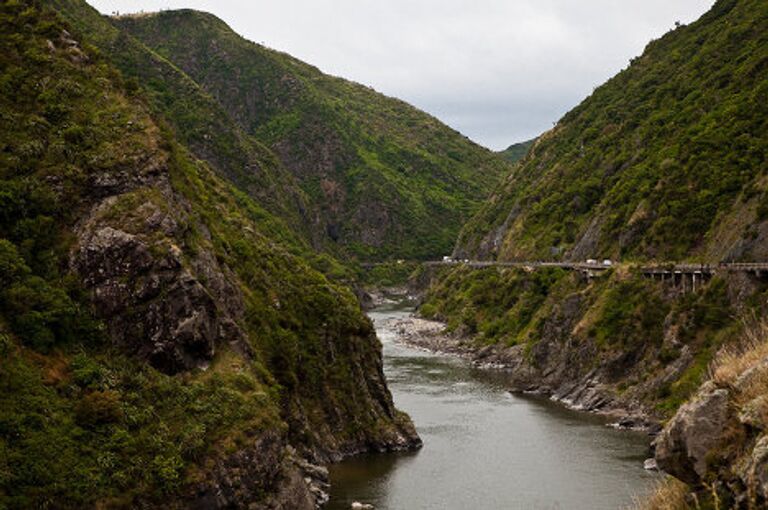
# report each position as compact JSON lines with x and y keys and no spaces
{"x":632,"y":327}
{"x":517,"y":151}
{"x":708,"y":322}
{"x":200,"y":123}
{"x":73,"y":441}
{"x":499,"y":305}
{"x":632,"y":314}
{"x":98,"y":408}
{"x":366,"y":162}
{"x":85,"y":426}
{"x":661,"y":162}
{"x":388,"y":274}
{"x":39,"y":301}
{"x":674,"y":394}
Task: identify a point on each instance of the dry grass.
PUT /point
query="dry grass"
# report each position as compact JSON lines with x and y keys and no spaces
{"x":669,"y":494}
{"x":730,"y":367}
{"x":730,"y":370}
{"x":731,"y":362}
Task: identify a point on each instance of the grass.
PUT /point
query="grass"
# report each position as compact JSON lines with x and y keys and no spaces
{"x":668,"y":494}
{"x":84,"y":424}
{"x":385,"y":180}
{"x":743,"y":367}
{"x":734,"y":360}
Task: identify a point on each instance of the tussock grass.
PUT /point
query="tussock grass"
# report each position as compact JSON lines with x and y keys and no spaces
{"x":733,"y":361}
{"x":743,"y":368}
{"x":669,"y":494}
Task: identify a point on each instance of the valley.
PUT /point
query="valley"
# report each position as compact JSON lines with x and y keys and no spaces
{"x":201,"y":239}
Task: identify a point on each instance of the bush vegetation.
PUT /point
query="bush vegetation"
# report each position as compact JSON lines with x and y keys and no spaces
{"x":387,"y":181}
{"x":620,"y":314}
{"x":666,"y":161}
{"x":83,"y":424}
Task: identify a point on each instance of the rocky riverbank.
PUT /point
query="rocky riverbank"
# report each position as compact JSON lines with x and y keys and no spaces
{"x":583,"y":395}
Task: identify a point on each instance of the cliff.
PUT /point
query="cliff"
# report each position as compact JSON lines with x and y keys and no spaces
{"x":716,"y":443}
{"x":162,"y":344}
{"x":621,"y":344}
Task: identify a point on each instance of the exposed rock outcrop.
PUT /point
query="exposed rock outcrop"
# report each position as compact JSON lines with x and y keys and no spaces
{"x":691,"y":441}
{"x":716,"y":442}
{"x":243,"y":478}
{"x":145,"y":284}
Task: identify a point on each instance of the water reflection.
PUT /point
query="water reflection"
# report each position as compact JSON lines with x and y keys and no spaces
{"x":485,"y":448}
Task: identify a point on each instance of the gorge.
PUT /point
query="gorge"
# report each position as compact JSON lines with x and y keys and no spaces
{"x":193,"y":226}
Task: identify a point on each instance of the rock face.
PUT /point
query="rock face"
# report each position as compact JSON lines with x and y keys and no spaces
{"x":692,"y":440}
{"x":716,"y":443}
{"x":144,"y":286}
{"x":185,"y":319}
{"x":175,"y":307}
{"x":241,"y":479}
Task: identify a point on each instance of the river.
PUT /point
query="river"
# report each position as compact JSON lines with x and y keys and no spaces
{"x":485,"y":448}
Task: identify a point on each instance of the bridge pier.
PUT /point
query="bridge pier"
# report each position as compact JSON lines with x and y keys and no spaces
{"x":687,"y":278}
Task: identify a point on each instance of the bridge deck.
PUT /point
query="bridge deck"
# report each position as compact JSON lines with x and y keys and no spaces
{"x":668,"y":268}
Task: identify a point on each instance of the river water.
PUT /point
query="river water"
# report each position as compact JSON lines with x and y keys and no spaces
{"x":485,"y":448}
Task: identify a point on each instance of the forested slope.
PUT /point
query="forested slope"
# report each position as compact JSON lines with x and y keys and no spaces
{"x":383,"y":178}
{"x":665,"y":161}
{"x":161,"y":344}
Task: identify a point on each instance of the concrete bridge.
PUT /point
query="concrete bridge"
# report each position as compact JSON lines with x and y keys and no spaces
{"x":688,"y":277}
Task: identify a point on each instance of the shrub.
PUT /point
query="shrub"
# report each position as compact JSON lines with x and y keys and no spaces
{"x":98,"y":408}
{"x":12,"y":266}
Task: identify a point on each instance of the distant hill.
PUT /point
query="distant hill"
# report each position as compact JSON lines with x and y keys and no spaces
{"x":382,"y":178}
{"x":516,"y":151}
{"x":665,"y":161}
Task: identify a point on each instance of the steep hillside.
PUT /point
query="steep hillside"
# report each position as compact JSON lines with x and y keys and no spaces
{"x":198,"y":121}
{"x":159,"y":346}
{"x":665,"y":161}
{"x":384,"y":179}
{"x":621,"y":344}
{"x":517,"y":151}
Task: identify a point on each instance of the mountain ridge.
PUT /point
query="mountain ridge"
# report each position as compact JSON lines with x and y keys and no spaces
{"x":379,"y":171}
{"x":665,"y":161}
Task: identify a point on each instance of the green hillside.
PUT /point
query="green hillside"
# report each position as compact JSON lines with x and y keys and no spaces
{"x":384,"y":180}
{"x":157,"y":331}
{"x":665,"y":161}
{"x":197,"y":120}
{"x":517,"y":151}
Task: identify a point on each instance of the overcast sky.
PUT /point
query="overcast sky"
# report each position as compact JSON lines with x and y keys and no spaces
{"x":499,"y":71}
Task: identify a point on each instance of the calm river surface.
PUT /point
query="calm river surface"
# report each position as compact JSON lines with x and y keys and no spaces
{"x":485,"y":448}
